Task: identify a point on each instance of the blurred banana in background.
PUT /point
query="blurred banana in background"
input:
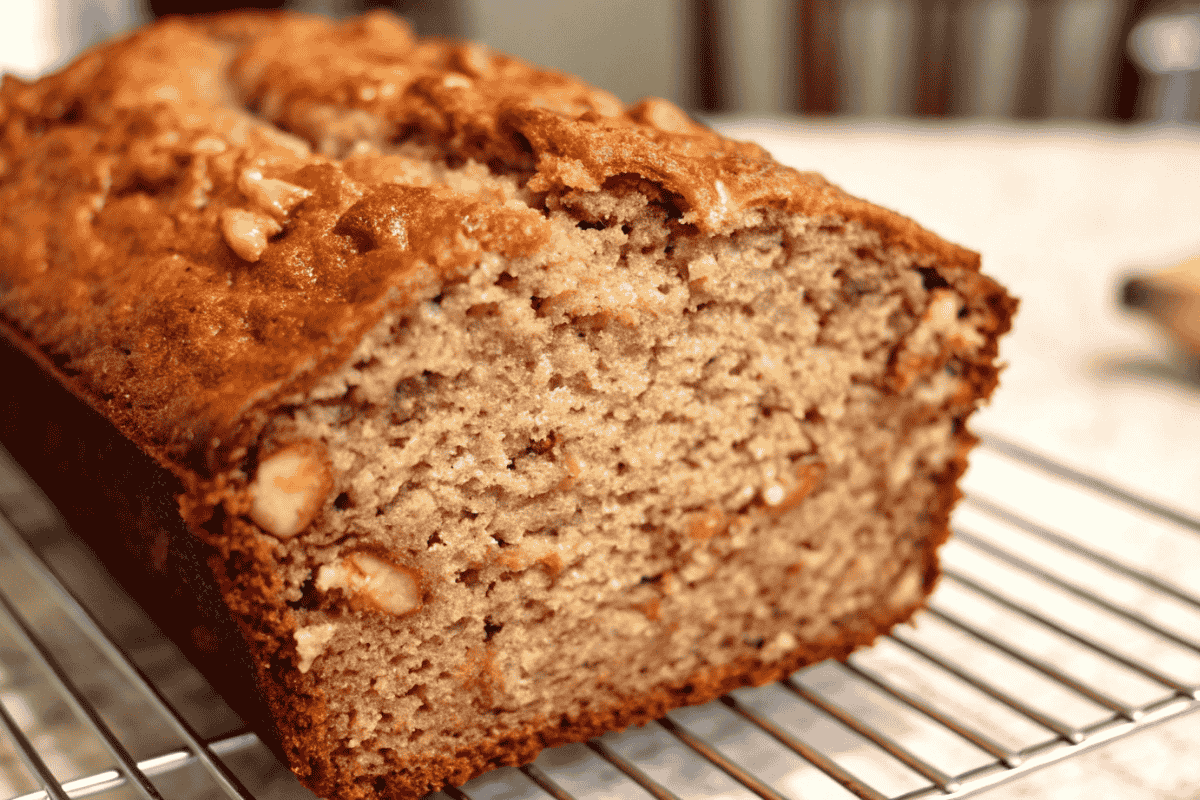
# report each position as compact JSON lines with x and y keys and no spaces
{"x":1172,"y":299}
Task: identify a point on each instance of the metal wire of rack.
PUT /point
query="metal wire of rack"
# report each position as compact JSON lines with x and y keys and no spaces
{"x":1059,"y":626}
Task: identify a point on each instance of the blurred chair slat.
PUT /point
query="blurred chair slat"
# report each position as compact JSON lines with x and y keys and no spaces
{"x":1036,"y":58}
{"x":710,"y":76}
{"x":818,"y":26}
{"x":935,"y":56}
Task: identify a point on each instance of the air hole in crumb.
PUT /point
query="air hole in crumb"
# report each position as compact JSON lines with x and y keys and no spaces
{"x":932,"y":279}
{"x":536,"y":302}
{"x":813,"y":417}
{"x":434,"y":538}
{"x":402,"y":133}
{"x":622,"y":468}
{"x":469,"y":576}
{"x":480,"y":310}
{"x":310,"y":598}
{"x":589,"y":226}
{"x":964,"y":312}
{"x":522,"y":142}
{"x":505,"y":281}
{"x":556,"y":382}
{"x":72,"y":113}
{"x":342,"y":502}
{"x":437,"y":301}
{"x":490,"y":628}
{"x":415,"y":733}
{"x":543,"y":446}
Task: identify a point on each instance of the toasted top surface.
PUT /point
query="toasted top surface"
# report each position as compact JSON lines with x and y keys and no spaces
{"x":187,"y":232}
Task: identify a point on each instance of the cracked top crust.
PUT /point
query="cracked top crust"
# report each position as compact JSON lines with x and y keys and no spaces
{"x":187,"y":233}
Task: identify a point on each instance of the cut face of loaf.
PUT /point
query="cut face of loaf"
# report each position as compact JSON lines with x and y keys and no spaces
{"x":637,"y":468}
{"x":510,"y":415}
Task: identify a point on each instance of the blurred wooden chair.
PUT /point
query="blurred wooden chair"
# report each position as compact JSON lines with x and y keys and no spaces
{"x":1026,"y":59}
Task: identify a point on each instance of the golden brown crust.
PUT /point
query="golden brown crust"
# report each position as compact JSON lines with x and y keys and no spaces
{"x":119,"y":175}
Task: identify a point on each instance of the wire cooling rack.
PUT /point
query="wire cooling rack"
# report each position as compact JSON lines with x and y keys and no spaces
{"x":1067,"y":618}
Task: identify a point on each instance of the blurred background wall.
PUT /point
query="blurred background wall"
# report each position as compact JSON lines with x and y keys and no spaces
{"x":1028,"y":59}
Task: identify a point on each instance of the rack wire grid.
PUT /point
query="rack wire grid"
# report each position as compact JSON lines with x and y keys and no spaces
{"x":1066,"y":619}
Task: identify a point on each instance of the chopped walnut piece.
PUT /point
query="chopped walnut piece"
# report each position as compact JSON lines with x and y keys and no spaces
{"x":371,"y":583}
{"x":311,"y":641}
{"x":247,"y":232}
{"x":271,"y":194}
{"x":290,"y":487}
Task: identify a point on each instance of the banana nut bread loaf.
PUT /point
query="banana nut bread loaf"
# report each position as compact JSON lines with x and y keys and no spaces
{"x":508,"y":414}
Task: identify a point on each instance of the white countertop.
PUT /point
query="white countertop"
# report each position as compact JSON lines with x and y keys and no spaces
{"x":1060,"y":215}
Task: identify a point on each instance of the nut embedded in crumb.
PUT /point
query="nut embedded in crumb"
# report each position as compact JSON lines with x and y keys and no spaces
{"x":370,"y":583}
{"x":271,"y":194}
{"x":311,"y":641}
{"x":247,"y":232}
{"x":290,"y":487}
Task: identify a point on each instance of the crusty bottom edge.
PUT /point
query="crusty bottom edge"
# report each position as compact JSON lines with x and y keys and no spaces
{"x":421,"y":775}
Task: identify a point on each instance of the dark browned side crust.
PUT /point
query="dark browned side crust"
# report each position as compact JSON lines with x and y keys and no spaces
{"x":125,"y":507}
